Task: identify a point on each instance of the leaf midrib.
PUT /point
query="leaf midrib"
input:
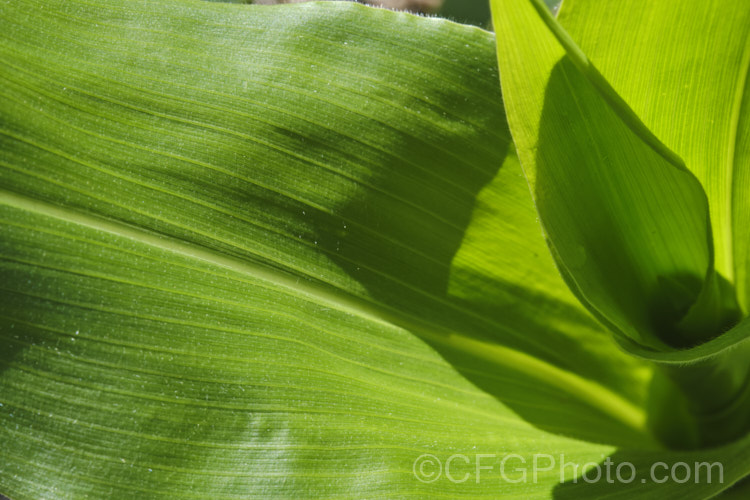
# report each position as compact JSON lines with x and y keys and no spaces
{"x":589,"y":392}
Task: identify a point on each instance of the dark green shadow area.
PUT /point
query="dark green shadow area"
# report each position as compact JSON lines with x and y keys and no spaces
{"x":403,"y":253}
{"x":598,"y":242}
{"x":603,"y":254}
{"x":599,"y":259}
{"x":662,"y":308}
{"x":738,"y":491}
{"x":633,"y":474}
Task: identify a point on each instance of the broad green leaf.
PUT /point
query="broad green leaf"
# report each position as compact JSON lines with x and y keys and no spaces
{"x":228,"y":381}
{"x":224,"y":231}
{"x":703,"y":118}
{"x":363,"y":178}
{"x":248,"y":252}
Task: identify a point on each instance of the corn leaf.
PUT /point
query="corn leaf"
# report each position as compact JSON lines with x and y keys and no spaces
{"x":258,"y":252}
{"x":627,"y":221}
{"x":703,"y":118}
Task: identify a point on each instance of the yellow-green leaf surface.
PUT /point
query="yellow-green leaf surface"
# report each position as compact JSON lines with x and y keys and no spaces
{"x":704,"y":118}
{"x":628,"y":223}
{"x":258,"y":252}
{"x":650,"y":231}
{"x":695,"y":98}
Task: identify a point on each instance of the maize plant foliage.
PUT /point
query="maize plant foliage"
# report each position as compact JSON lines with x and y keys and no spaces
{"x":289,"y":251}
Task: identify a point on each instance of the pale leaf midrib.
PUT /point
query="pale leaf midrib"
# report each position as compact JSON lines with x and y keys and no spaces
{"x":587,"y":391}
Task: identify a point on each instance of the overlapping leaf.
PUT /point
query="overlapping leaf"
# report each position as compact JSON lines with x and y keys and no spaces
{"x":628,"y":223}
{"x":617,"y":204}
{"x":703,"y":118}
